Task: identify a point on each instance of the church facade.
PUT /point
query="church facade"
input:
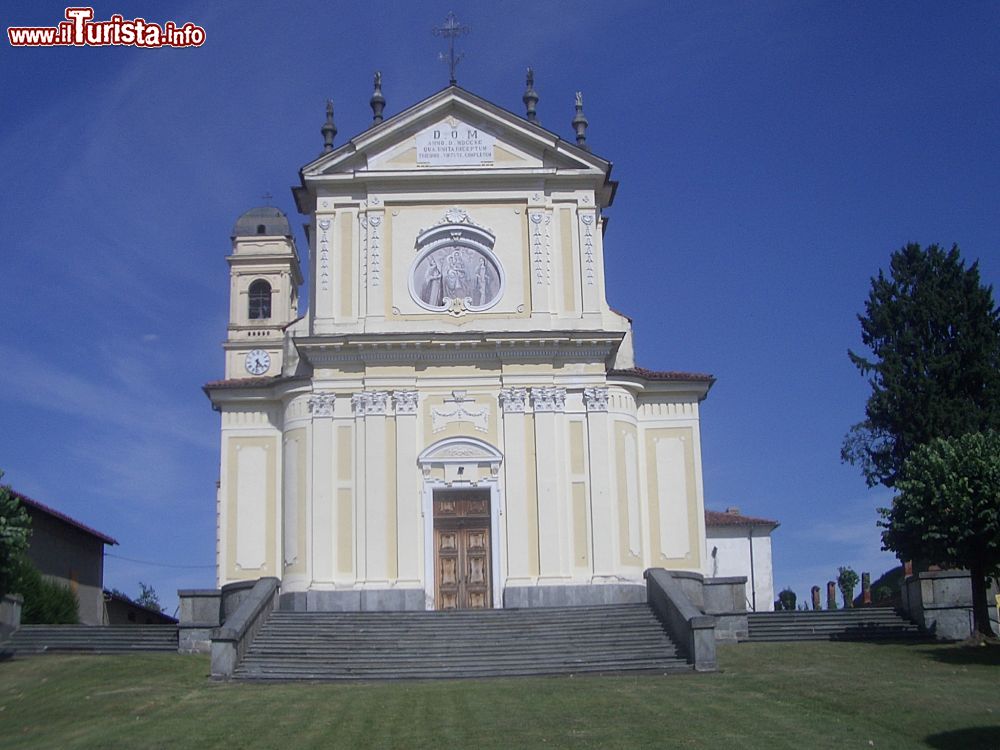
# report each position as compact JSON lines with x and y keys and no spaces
{"x":456,"y":420}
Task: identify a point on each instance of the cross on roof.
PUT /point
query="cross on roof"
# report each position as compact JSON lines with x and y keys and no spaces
{"x":451,"y":29}
{"x":267,"y":196}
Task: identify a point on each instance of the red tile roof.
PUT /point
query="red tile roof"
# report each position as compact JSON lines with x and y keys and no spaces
{"x":642,"y":372}
{"x":42,"y":508}
{"x":716,"y":518}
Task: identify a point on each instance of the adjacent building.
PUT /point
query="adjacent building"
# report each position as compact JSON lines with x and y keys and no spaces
{"x":71,"y":553}
{"x":739,"y":545}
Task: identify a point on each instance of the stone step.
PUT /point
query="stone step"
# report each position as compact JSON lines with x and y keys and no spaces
{"x":862,"y":624}
{"x":44,"y":638}
{"x":425,"y":645}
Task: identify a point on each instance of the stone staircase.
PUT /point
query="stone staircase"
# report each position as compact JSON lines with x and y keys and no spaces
{"x":469,"y":643}
{"x":861,"y":624}
{"x":40,"y":639}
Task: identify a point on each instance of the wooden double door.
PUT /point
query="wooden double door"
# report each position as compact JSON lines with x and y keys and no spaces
{"x":462,"y":555}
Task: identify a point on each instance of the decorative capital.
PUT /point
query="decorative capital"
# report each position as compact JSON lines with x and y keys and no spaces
{"x":405,"y":401}
{"x":321,"y":404}
{"x":596,"y":398}
{"x":513,"y":399}
{"x":548,"y":398}
{"x":370,"y":402}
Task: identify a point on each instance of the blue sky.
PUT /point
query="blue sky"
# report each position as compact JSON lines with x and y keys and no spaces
{"x":771,"y":156}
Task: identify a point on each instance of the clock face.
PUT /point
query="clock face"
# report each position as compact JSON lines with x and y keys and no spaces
{"x":258,"y":362}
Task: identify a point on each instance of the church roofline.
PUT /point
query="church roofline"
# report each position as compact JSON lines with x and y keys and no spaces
{"x":645,"y":374}
{"x":656,"y":380}
{"x":401,"y":120}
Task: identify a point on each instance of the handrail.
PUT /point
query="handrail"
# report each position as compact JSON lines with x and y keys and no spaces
{"x":231,"y":639}
{"x":687,"y":624}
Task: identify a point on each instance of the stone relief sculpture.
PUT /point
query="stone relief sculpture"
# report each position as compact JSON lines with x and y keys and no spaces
{"x":455,"y":270}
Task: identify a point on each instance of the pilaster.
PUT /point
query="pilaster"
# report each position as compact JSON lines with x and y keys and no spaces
{"x":519,"y":489}
{"x":602,"y":509}
{"x":548,"y":404}
{"x":321,"y":408}
{"x":408,"y":489}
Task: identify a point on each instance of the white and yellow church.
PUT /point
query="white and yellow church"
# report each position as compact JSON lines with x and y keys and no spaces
{"x":453,"y":417}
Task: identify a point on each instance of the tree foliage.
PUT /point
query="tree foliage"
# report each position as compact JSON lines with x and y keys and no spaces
{"x":947,"y":510}
{"x":933,"y":330}
{"x":847,"y":580}
{"x":148,"y":598}
{"x":15,"y":530}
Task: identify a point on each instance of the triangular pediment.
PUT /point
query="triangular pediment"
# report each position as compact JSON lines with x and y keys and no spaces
{"x":455,"y":130}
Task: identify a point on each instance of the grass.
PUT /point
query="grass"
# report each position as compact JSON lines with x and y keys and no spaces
{"x":808,"y":695}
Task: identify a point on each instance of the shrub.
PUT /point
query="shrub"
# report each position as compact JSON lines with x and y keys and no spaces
{"x":846,"y":581}
{"x":46,"y":602}
{"x":786,"y":599}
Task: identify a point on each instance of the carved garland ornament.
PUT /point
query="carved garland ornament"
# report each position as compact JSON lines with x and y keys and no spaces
{"x":324,"y":255}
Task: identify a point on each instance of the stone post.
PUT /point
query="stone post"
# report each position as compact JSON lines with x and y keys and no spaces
{"x":815,"y":597}
{"x":831,"y":595}
{"x":866,"y":589}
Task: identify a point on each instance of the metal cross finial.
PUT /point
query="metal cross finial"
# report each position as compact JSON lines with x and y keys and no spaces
{"x":267,"y":196}
{"x":451,"y":29}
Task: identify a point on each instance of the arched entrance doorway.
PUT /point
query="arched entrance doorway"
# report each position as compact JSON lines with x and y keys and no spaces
{"x":462,"y":506}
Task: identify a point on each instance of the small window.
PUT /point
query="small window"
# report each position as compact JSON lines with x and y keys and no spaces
{"x":260,"y":300}
{"x":261,"y":229}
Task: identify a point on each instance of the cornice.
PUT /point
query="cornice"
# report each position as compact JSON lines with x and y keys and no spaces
{"x":572,"y":345}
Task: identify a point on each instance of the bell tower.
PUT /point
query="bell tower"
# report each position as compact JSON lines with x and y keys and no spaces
{"x":264,"y":278}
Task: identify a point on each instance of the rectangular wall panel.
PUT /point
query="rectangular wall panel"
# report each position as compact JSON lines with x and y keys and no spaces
{"x":251,"y":511}
{"x":672,"y":497}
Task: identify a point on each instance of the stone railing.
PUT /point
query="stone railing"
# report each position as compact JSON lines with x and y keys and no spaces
{"x":687,"y":625}
{"x":200,"y":613}
{"x":940,"y":602}
{"x":231,"y":639}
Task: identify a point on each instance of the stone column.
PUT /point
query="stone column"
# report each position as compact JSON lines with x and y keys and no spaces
{"x":602,"y":509}
{"x":815,"y":597}
{"x":831,"y":595}
{"x":866,"y":589}
{"x":549,"y":403}
{"x":518,"y":491}
{"x":321,"y":407}
{"x":409,"y":526}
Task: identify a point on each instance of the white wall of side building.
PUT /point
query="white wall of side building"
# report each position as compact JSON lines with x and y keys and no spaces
{"x":728,"y":552}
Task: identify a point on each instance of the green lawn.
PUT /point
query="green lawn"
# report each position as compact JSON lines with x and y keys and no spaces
{"x":812,"y":695}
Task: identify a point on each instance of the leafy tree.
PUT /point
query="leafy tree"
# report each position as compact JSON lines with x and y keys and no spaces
{"x":948,"y":510}
{"x":148,"y":598}
{"x":847,"y":579}
{"x":15,"y":529}
{"x":934,"y":332}
{"x":786,"y":600}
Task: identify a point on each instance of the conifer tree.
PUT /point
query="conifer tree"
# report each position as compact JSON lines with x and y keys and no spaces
{"x":933,"y":330}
